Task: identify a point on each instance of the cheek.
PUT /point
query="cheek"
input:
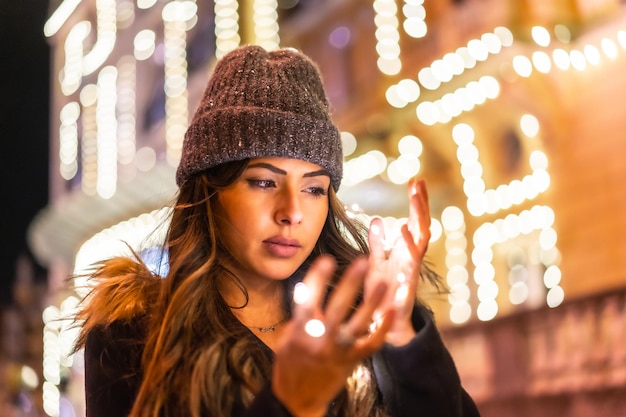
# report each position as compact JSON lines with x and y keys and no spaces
{"x":236,"y":220}
{"x":234,"y":234}
{"x":230,"y":220}
{"x":320,"y":216}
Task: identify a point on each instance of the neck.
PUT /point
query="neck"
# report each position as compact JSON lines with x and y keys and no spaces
{"x":263,"y":308}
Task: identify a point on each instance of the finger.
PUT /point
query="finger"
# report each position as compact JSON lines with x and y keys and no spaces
{"x":416,"y":250}
{"x":367,"y":345}
{"x":361,"y":320}
{"x":417,"y":186}
{"x":309,"y":294}
{"x":376,"y":237}
{"x":344,"y":295}
{"x":423,"y":208}
{"x":423,"y":214}
{"x":419,"y":211}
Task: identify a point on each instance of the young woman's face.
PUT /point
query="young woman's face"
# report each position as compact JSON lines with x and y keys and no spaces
{"x":271,"y":217}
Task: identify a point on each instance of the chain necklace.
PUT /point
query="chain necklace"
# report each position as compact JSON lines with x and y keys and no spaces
{"x":269,"y":329}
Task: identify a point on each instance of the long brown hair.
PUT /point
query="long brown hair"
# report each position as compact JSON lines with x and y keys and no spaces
{"x":198,"y":359}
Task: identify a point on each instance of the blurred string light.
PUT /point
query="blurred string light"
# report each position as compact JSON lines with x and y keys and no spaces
{"x":106,"y":133}
{"x":364,"y":167}
{"x":51,"y":361}
{"x":178,"y":17}
{"x":538,"y":218}
{"x":407,"y":165}
{"x":481,"y":200}
{"x":125,"y":13}
{"x":387,"y":36}
{"x":68,"y":140}
{"x":454,"y":64}
{"x":29,"y":377}
{"x":265,"y":20}
{"x":127,"y":120}
{"x":72,"y":74}
{"x":542,"y":59}
{"x":374,"y":162}
{"x":146,"y":4}
{"x":463,"y":99}
{"x":144,"y":44}
{"x":101,"y":136}
{"x":563,"y":55}
{"x":518,"y":275}
{"x":59,"y":17}
{"x":226,"y":26}
{"x":404,"y":92}
{"x":88,"y":140}
{"x":414,"y":18}
{"x":609,"y":48}
{"x":59,"y":337}
{"x":541,"y":36}
{"x":348,"y":143}
{"x":106,"y":32}
{"x":453,"y":222}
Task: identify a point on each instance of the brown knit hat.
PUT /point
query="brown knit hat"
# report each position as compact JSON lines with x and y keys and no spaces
{"x":259,"y":104}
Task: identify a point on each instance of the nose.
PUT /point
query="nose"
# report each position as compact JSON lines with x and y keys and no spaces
{"x":289,"y":209}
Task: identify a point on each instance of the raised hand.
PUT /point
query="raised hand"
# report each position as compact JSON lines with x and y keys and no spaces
{"x":320,"y":348}
{"x":399,"y":264}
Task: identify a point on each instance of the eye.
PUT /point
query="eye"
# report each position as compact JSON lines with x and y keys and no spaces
{"x":317,"y":191}
{"x":256,"y":183}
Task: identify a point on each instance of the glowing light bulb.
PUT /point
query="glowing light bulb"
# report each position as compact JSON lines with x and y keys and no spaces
{"x":315,"y":328}
{"x":301,"y":293}
{"x":402,"y":294}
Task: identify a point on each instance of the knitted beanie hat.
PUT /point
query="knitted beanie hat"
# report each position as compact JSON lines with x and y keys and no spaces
{"x":260,"y":104}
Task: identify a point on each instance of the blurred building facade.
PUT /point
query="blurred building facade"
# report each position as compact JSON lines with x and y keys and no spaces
{"x":509,"y":109}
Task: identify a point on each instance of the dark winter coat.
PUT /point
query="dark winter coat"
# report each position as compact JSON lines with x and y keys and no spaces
{"x":418,"y":379}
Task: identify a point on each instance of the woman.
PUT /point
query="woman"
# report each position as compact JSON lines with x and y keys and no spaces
{"x":275,"y":302}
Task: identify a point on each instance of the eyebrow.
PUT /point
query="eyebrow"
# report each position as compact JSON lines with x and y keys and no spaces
{"x":283,"y":172}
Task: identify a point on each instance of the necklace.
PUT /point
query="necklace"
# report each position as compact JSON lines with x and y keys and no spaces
{"x":269,"y":329}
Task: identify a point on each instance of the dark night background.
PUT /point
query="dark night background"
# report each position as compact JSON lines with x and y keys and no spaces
{"x":24,"y":128}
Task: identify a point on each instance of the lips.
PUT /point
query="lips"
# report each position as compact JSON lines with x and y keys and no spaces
{"x":282,"y":247}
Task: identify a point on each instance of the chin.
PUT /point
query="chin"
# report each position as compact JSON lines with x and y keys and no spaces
{"x":278,"y":272}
